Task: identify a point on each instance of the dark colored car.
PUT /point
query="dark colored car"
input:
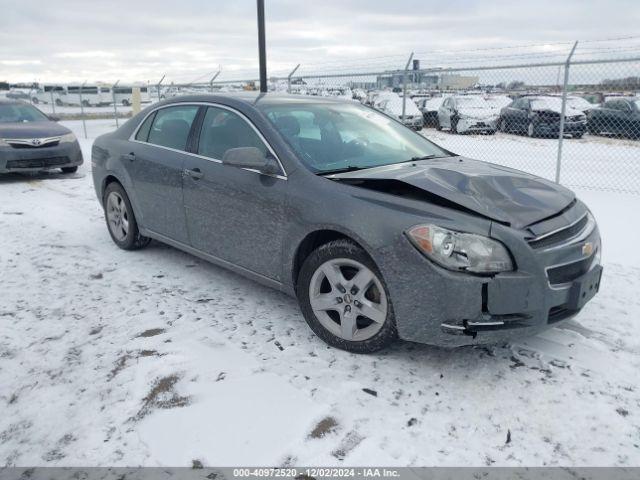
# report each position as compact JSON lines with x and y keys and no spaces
{"x":619,"y":116}
{"x":378,"y":232}
{"x":31,"y":141}
{"x":539,"y":116}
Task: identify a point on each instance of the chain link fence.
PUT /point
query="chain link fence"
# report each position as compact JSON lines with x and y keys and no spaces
{"x":568,"y":115}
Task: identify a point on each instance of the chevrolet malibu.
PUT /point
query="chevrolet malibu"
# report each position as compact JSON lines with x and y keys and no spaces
{"x":377,"y":232}
{"x":31,"y":141}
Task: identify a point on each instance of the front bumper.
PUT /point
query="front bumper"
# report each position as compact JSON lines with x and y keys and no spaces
{"x":467,"y":125}
{"x":553,"y":129}
{"x":415,"y":122}
{"x":440,"y":307}
{"x":41,"y":158}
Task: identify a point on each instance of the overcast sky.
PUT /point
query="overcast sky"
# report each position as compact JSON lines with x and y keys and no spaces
{"x":140,"y":40}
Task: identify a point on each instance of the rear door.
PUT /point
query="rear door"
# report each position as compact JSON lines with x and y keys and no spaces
{"x":234,"y":214}
{"x":155,"y":164}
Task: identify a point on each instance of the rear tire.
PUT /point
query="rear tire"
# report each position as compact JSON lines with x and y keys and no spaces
{"x":358,"y":320}
{"x":121,"y":221}
{"x":69,"y":169}
{"x":125,"y":103}
{"x":58,"y":102}
{"x":35,"y":101}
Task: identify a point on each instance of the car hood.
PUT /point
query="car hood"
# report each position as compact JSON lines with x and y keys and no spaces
{"x":478,"y":112}
{"x":32,"y":130}
{"x":569,"y":112}
{"x":502,"y":194}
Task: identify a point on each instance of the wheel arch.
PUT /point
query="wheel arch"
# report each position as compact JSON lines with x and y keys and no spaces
{"x":315,"y":239}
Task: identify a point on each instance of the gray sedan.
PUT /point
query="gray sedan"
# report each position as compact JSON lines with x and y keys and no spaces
{"x":31,"y":141}
{"x":377,"y":232}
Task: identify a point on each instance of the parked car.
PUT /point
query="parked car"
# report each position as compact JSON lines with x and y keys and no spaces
{"x":393,"y":106}
{"x":17,"y":95}
{"x":467,"y":114}
{"x":539,"y":116}
{"x":378,"y":232}
{"x":618,"y":116}
{"x":31,"y":141}
{"x":429,"y":108}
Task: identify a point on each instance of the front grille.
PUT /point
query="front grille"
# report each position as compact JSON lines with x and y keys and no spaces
{"x":37,"y":162}
{"x":568,"y":273}
{"x":24,"y":145}
{"x":561,"y":235}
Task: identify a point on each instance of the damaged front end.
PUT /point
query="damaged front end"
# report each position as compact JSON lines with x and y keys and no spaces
{"x":454,"y":283}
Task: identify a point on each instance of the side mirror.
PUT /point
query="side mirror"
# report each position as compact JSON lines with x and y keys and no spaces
{"x":250,"y":157}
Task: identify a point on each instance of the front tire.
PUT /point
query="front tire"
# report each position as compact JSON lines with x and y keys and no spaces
{"x":344,"y":298}
{"x":121,"y":221}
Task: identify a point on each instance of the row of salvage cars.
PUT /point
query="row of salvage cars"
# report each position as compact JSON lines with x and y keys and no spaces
{"x":532,"y":115}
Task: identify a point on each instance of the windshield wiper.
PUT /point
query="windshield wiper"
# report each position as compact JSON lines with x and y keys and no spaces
{"x":423,"y":157}
{"x":349,"y":168}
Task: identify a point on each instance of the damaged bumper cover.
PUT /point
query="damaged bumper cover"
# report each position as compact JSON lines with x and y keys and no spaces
{"x":552,"y":282}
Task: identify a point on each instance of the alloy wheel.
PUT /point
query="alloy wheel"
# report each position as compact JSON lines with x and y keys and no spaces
{"x":117,"y":216}
{"x":348,"y":299}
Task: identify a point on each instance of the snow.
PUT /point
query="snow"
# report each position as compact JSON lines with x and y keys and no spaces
{"x":156,"y":357}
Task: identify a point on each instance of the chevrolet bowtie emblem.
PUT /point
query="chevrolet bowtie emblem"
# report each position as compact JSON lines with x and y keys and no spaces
{"x":587,"y":249}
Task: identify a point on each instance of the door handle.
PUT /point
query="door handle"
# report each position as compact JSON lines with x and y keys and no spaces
{"x":195,"y":173}
{"x":129,"y":156}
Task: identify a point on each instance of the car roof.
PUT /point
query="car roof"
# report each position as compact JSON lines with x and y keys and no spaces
{"x":255,"y":98}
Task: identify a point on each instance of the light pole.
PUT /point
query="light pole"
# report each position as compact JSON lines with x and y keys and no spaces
{"x":262,"y":49}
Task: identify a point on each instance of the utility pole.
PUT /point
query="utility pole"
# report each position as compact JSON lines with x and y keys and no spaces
{"x":262,"y":48}
{"x":563,"y":111}
{"x":404,"y":86}
{"x":289,"y":78}
{"x":213,"y":79}
{"x":115,"y":107}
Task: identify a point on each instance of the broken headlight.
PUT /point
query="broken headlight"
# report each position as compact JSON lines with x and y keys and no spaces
{"x":461,"y":251}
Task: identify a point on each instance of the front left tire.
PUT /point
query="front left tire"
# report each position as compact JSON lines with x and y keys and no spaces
{"x":344,"y":298}
{"x":121,"y":221}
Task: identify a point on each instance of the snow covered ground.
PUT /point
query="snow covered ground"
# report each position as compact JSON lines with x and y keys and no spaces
{"x":158,"y":358}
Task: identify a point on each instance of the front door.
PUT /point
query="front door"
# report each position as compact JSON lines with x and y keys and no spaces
{"x":155,"y":164}
{"x":234,"y":214}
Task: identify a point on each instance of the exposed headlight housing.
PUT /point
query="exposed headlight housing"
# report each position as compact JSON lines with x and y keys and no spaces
{"x":457,"y":251}
{"x":68,"y":138}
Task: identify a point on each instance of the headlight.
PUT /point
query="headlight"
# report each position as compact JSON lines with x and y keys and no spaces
{"x":68,"y":138}
{"x":461,"y":251}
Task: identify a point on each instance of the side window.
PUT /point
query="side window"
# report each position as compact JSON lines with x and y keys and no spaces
{"x":145,"y":128}
{"x":222,"y":130}
{"x":171,"y":126}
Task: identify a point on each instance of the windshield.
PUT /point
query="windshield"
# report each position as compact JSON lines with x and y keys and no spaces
{"x":472,"y":102}
{"x":19,"y":113}
{"x":330,"y":136}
